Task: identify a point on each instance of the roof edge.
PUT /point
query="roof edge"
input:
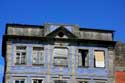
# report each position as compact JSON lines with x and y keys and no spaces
{"x":92,"y":29}
{"x":26,"y":25}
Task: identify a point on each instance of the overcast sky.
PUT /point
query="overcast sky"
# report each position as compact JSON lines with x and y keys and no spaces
{"x":98,"y":14}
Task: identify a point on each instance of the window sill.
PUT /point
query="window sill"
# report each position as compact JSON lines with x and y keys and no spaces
{"x":100,"y":67}
{"x":20,"y":64}
{"x":61,"y":65}
{"x":38,"y":64}
{"x":83,"y":66}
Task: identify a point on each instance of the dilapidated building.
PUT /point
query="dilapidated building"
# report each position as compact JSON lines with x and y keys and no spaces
{"x":58,"y":53}
{"x":120,"y":62}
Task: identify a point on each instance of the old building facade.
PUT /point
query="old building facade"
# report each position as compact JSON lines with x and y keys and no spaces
{"x":120,"y":62}
{"x":58,"y":53}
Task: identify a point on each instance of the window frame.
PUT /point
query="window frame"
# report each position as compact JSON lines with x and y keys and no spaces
{"x":67,"y":57}
{"x":35,"y":78}
{"x":20,"y":51}
{"x":19,"y":78}
{"x":81,"y":56}
{"x":38,"y":64}
{"x":104,"y":58}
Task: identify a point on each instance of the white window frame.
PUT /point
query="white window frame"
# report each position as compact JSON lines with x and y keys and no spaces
{"x":20,"y":52}
{"x":19,"y":78}
{"x":38,"y":51}
{"x":62,"y":57}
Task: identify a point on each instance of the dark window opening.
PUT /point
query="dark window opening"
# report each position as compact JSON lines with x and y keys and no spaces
{"x":37,"y":80}
{"x":60,"y":34}
{"x":83,"y":58}
{"x":83,"y":82}
{"x":19,"y":81}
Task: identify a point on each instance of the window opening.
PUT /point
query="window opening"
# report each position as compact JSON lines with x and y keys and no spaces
{"x":20,"y":55}
{"x":60,"y":56}
{"x":37,"y":56}
{"x":83,"y":58}
{"x":83,"y":82}
{"x":99,"y":58}
{"x":60,"y":34}
{"x":37,"y":81}
{"x":20,"y":81}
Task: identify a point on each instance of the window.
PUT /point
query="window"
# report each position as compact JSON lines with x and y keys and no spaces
{"x":37,"y":55}
{"x":83,"y":82}
{"x":60,"y":81}
{"x":83,"y":58}
{"x":19,"y":81}
{"x":60,"y":34}
{"x":60,"y":56}
{"x":37,"y":80}
{"x":99,"y":58}
{"x":20,"y":55}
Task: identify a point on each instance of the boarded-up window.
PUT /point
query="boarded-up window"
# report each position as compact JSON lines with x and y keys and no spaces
{"x":37,"y":56}
{"x":60,"y":56}
{"x":83,"y":58}
{"x":99,"y":59}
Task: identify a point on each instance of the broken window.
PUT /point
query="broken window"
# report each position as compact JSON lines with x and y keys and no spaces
{"x":37,"y":56}
{"x":37,"y":81}
{"x":60,"y":56}
{"x":20,"y":57}
{"x":83,"y":82}
{"x":99,"y":58}
{"x":83,"y":58}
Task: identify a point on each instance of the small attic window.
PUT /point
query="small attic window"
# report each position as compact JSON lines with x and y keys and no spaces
{"x":60,"y":34}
